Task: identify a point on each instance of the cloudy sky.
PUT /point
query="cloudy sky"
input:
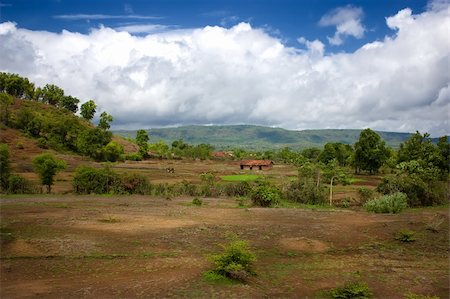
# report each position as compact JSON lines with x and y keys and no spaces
{"x":290,"y":63}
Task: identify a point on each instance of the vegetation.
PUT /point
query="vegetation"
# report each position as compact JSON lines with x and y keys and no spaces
{"x":392,"y":203}
{"x":352,"y":290}
{"x":240,"y":177}
{"x":5,"y":167}
{"x":265,"y":195}
{"x":46,"y":166}
{"x":405,"y":235}
{"x":370,"y":152}
{"x":236,"y":261}
{"x":197,"y":201}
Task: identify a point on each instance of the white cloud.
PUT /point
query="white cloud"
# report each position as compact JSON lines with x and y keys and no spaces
{"x":215,"y":75}
{"x":347,"y":21}
{"x":143,"y":28}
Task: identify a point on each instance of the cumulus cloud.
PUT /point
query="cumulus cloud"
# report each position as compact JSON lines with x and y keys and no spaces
{"x":215,"y":75}
{"x":347,"y":21}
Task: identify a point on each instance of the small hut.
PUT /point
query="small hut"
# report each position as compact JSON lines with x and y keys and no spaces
{"x":256,"y":164}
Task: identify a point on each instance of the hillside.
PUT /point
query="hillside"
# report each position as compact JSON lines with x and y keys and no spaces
{"x":258,"y":137}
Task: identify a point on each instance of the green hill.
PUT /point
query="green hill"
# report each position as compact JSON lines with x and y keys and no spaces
{"x":258,"y":137}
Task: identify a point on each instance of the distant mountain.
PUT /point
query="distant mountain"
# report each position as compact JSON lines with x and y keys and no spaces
{"x":258,"y":137}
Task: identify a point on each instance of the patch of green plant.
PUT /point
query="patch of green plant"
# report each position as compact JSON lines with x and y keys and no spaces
{"x":405,"y":235}
{"x":109,"y":220}
{"x":240,"y":177}
{"x":418,"y":296}
{"x":5,"y":235}
{"x":392,"y":203}
{"x":214,"y":277}
{"x":352,"y":290}
{"x":197,"y":201}
{"x":148,"y":254}
{"x":236,"y":261}
{"x":365,"y":194}
{"x":265,"y":195}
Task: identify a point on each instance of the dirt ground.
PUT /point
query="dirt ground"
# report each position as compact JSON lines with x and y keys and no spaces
{"x":65,"y":246}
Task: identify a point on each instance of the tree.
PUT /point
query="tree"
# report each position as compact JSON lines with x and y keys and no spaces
{"x":5,"y":166}
{"x":113,"y":151}
{"x":370,"y":152}
{"x":46,"y":167}
{"x":334,"y":173}
{"x":142,"y":141}
{"x":444,"y":149}
{"x":52,"y":94}
{"x":6,"y":101}
{"x":70,"y":103}
{"x":88,"y":110}
{"x":104,"y":121}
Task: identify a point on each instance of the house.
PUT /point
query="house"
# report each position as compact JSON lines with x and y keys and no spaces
{"x":256,"y":164}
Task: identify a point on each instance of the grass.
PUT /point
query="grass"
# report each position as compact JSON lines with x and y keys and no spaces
{"x":240,"y":177}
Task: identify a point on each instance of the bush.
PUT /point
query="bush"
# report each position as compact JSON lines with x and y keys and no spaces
{"x":393,"y":203}
{"x":236,"y":261}
{"x":87,"y":180}
{"x":307,"y":192}
{"x":418,"y":296}
{"x":405,"y":235}
{"x":352,"y":290}
{"x":365,"y":194}
{"x":265,"y":196}
{"x":197,"y":201}
{"x":419,"y":192}
{"x":133,"y":184}
{"x":237,"y":189}
{"x":133,"y":157}
{"x":19,"y":185}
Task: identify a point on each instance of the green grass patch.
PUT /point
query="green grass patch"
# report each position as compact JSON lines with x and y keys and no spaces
{"x":240,"y":177}
{"x":214,"y":277}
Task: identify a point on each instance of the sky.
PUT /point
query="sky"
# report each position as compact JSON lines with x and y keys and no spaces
{"x":294,"y":64}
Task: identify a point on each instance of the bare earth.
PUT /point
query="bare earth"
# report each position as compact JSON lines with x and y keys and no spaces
{"x":147,"y":247}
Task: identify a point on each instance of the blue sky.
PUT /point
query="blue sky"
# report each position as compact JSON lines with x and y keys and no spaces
{"x":292,"y":64}
{"x":286,"y":19}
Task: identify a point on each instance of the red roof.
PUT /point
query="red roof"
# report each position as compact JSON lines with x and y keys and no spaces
{"x":256,"y":162}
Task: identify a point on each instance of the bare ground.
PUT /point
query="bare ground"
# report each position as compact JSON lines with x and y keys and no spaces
{"x":147,"y":247}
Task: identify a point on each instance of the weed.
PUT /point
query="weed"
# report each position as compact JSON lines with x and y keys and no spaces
{"x":109,"y":220}
{"x":212,"y":276}
{"x":236,"y":261}
{"x":418,"y":296}
{"x":392,"y":203}
{"x":405,"y":235}
{"x":365,"y":194}
{"x":352,"y":290}
{"x":197,"y":201}
{"x":434,"y":225}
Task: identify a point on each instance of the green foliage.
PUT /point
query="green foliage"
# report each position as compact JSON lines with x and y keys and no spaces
{"x":265,"y":195}
{"x":46,"y":166}
{"x":113,"y":152}
{"x":393,"y":203}
{"x":70,"y":103}
{"x":353,"y":290}
{"x":418,"y":296}
{"x":19,"y":185}
{"x":51,"y":94}
{"x":5,"y":167}
{"x":6,"y":101}
{"x":306,"y":191}
{"x":365,"y":194}
{"x":405,"y":235}
{"x":88,"y":110}
{"x":91,"y":141}
{"x":237,"y":189}
{"x":142,"y":141}
{"x":89,"y":180}
{"x":236,"y":261}
{"x":197,"y":201}
{"x":105,"y":120}
{"x":240,"y":177}
{"x":16,"y":86}
{"x":370,"y":151}
{"x":133,"y":157}
{"x":339,"y":151}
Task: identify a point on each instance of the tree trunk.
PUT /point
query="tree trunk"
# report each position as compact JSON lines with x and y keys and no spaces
{"x":331,"y":191}
{"x":49,"y":189}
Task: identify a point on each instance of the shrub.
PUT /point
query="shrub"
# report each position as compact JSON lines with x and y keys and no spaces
{"x":19,"y":185}
{"x":42,"y":143}
{"x":237,"y":189}
{"x":88,"y":180}
{"x":113,"y":151}
{"x":5,"y":166}
{"x":306,"y":191}
{"x":352,"y":290}
{"x":418,"y":296}
{"x":197,"y":201}
{"x":393,"y":203}
{"x":133,"y":184}
{"x":46,"y":166}
{"x":265,"y":196}
{"x":405,"y":235}
{"x":133,"y":157}
{"x":365,"y":194}
{"x":236,"y":261}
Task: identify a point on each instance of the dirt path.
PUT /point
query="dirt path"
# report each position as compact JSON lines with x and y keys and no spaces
{"x":145,"y":247}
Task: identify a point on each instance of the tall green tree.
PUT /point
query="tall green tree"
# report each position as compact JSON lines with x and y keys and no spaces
{"x":5,"y":166}
{"x":6,"y":101}
{"x":46,"y":166}
{"x":105,"y":120}
{"x":370,"y":152}
{"x":88,"y":110}
{"x":52,"y":94}
{"x":70,"y":103}
{"x":142,"y":141}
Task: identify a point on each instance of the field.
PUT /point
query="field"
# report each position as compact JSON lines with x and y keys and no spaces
{"x":65,"y":246}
